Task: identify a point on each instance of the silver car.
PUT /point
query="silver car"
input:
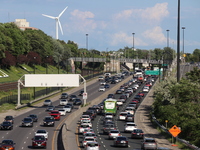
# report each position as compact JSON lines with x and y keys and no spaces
{"x":47,"y":102}
{"x":92,"y":146}
{"x":113,"y":134}
{"x":149,"y":143}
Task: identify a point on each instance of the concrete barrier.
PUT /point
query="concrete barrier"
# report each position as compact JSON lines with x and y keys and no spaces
{"x":79,"y":112}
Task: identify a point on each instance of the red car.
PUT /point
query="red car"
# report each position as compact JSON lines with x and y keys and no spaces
{"x":55,"y":114}
{"x":39,"y":141}
{"x":7,"y":145}
{"x":141,"y":94}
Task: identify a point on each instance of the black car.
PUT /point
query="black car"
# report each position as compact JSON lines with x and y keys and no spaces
{"x":9,"y":119}
{"x":77,"y":101}
{"x":34,"y":117}
{"x":111,"y":96}
{"x":49,"y":121}
{"x":81,"y":93}
{"x":6,"y":125}
{"x":121,"y":141}
{"x":72,"y":97}
{"x":129,"y":118}
{"x":70,"y":104}
{"x":27,"y":122}
{"x":118,"y":91}
{"x":106,"y":86}
{"x":113,"y":82}
{"x":137,"y":133}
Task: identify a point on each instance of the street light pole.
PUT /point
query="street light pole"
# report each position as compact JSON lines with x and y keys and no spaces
{"x":167,"y":38}
{"x":183,"y":39}
{"x":133,"y":47}
{"x":178,"y":43}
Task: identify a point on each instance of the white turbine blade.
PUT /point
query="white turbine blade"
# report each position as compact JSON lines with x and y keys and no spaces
{"x":60,"y":26}
{"x":49,"y":16}
{"x":62,"y":12}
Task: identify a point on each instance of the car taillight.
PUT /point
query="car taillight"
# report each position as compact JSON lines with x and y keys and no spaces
{"x":118,"y":134}
{"x":84,"y":141}
{"x":109,"y":134}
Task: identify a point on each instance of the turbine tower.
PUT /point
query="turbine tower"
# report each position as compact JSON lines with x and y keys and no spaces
{"x":57,"y":21}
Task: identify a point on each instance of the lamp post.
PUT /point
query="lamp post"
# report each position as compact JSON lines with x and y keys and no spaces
{"x":178,"y":43}
{"x":167,"y":38}
{"x":34,"y":73}
{"x":87,"y":45}
{"x":133,"y":46}
{"x":183,"y":39}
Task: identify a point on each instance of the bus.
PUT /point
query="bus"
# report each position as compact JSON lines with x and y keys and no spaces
{"x":110,"y":106}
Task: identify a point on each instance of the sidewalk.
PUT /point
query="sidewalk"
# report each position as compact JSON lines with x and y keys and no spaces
{"x":142,"y":120}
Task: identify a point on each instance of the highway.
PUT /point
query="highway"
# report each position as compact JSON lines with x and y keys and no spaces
{"x":22,"y":136}
{"x":103,"y":139}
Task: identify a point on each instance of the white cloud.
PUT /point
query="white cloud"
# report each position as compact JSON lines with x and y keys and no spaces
{"x":82,"y":15}
{"x":155,"y":35}
{"x":151,"y":14}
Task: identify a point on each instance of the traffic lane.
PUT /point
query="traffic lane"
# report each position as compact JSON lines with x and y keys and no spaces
{"x":26,"y":134}
{"x":108,"y":144}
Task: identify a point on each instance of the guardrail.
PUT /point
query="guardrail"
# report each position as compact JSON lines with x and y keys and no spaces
{"x":180,"y":140}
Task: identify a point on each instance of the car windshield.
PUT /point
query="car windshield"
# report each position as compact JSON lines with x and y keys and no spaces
{"x":6,"y":123}
{"x":114,"y":131}
{"x":54,"y":112}
{"x":27,"y":119}
{"x":42,"y":138}
{"x":138,"y":131}
{"x":92,"y":144}
{"x":8,"y":117}
{"x":150,"y":140}
{"x":41,"y":131}
{"x":130,"y":124}
{"x":7,"y":142}
{"x":47,"y":100}
{"x":32,"y":115}
{"x":49,"y":119}
{"x":120,"y":138}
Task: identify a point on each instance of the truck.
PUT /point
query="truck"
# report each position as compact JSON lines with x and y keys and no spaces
{"x":110,"y":106}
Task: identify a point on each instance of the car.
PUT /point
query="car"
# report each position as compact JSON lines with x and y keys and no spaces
{"x":111,"y":96}
{"x":70,"y":104}
{"x":88,"y":130}
{"x":77,"y":101}
{"x":137,"y":133}
{"x":6,"y":125}
{"x":63,"y":102}
{"x":113,"y":82}
{"x":64,"y":96}
{"x":122,"y":89}
{"x":27,"y":122}
{"x":108,"y":127}
{"x":84,"y":117}
{"x":103,"y":83}
{"x":102,"y":89}
{"x":129,"y":126}
{"x":120,"y":102}
{"x":50,"y":108}
{"x":146,"y":90}
{"x":141,"y":94}
{"x":86,"y":121}
{"x":118,"y":92}
{"x":82,"y":127}
{"x":7,"y":144}
{"x":149,"y":143}
{"x":106,"y":86}
{"x":107,"y":119}
{"x":121,"y":141}
{"x":39,"y":141}
{"x":108,"y":115}
{"x":98,"y":109}
{"x":132,"y":105}
{"x":72,"y":97}
{"x":81,"y":93}
{"x":67,"y":108}
{"x":62,"y":112}
{"x":122,"y":115}
{"x":101,"y":78}
{"x":55,"y":114}
{"x":88,"y":139}
{"x":47,"y":102}
{"x":42,"y":132}
{"x":130,"y":89}
{"x":34,"y":117}
{"x":9,"y":119}
{"x":90,"y":134}
{"x":113,"y":134}
{"x":123,"y":98}
{"x":49,"y":121}
{"x":130,"y":110}
{"x":92,"y":146}
{"x":129,"y":118}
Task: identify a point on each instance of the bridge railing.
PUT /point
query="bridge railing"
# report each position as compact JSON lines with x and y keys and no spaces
{"x":127,"y":60}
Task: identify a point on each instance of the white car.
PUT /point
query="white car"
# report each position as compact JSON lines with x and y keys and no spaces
{"x":102,"y":83}
{"x":67,"y":108}
{"x":86,"y":122}
{"x":47,"y":102}
{"x":119,"y":102}
{"x":88,"y":139}
{"x":145,"y":89}
{"x":130,"y":89}
{"x":82,"y":127}
{"x":90,"y":134}
{"x":42,"y":132}
{"x":63,"y":102}
{"x":130,"y":110}
{"x":62,"y":112}
{"x":102,"y":89}
{"x":84,"y":117}
{"x":122,"y":115}
{"x":92,"y":146}
{"x":113,"y":134}
{"x":129,"y":127}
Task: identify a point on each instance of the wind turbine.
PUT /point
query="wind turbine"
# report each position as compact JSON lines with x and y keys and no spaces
{"x":57,"y":21}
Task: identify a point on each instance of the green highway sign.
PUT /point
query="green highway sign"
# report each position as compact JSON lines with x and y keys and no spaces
{"x":153,"y":72}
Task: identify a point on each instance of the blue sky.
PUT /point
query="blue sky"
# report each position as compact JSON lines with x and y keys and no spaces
{"x":110,"y":23}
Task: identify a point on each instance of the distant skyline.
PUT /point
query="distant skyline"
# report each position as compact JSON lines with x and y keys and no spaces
{"x":110,"y":24}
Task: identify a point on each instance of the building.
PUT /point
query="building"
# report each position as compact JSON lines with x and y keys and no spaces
{"x":23,"y":24}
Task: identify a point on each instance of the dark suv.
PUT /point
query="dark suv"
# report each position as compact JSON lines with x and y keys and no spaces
{"x":34,"y":117}
{"x":9,"y":119}
{"x":49,"y":121}
{"x":27,"y":122}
